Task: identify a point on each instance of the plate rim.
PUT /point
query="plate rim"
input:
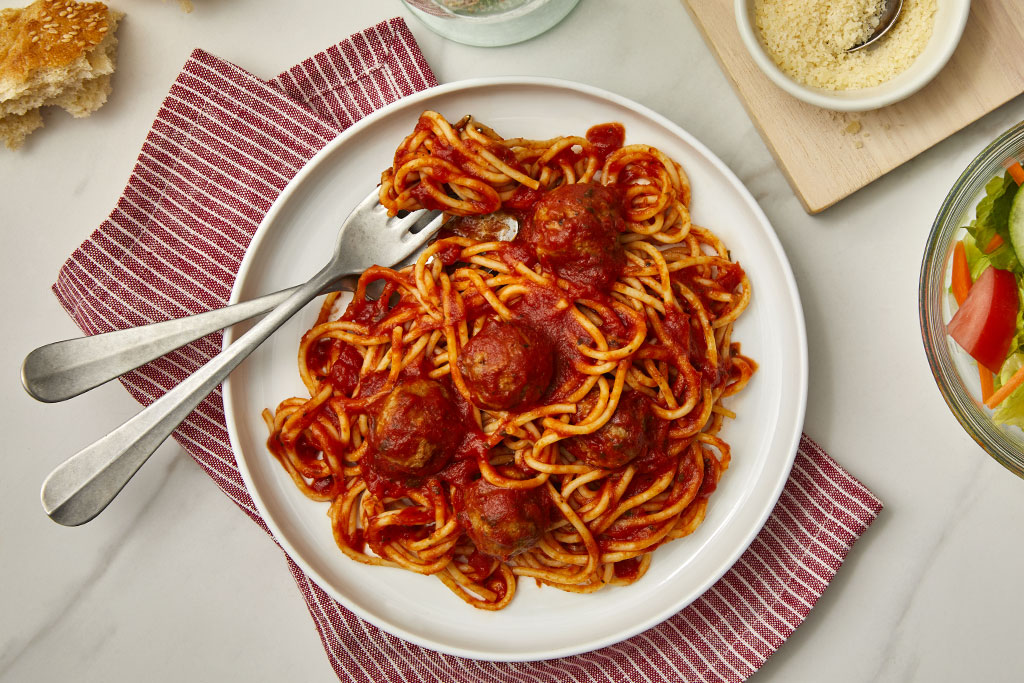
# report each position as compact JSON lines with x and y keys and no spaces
{"x":800,"y":355}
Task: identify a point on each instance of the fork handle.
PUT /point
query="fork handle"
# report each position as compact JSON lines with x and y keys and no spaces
{"x":81,"y":487}
{"x":65,"y":369}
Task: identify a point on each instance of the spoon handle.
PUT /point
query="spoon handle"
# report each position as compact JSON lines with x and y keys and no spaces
{"x":81,"y":487}
{"x":65,"y":369}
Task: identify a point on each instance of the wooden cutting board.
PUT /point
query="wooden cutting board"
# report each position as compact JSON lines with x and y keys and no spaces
{"x":828,"y":155}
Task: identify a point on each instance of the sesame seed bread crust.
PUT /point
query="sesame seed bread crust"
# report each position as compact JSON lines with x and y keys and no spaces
{"x":54,"y":52}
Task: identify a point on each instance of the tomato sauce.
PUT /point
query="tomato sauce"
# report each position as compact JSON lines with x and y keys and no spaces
{"x":657,"y":459}
{"x":628,"y":570}
{"x":548,"y":312}
{"x":686,"y":345}
{"x":384,"y":484}
{"x":606,"y":138}
{"x":522,"y":201}
{"x":449,"y":254}
{"x":323,"y":485}
{"x":633,"y":534}
{"x":452,"y":155}
{"x":344,"y":375}
{"x":480,"y":565}
{"x":711,"y":474}
{"x":516,"y":252}
{"x":497,"y":586}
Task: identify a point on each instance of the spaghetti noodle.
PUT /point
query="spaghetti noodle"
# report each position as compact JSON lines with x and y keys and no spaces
{"x":546,"y":406}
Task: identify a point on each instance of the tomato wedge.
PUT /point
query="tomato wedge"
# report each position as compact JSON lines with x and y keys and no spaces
{"x":985,"y":323}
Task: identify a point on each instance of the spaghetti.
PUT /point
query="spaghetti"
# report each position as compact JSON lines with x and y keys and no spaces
{"x":546,"y":406}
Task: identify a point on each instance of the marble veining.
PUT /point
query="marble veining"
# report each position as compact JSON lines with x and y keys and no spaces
{"x":174,"y":583}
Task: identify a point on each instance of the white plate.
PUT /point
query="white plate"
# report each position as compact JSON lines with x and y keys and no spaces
{"x":541,"y":623}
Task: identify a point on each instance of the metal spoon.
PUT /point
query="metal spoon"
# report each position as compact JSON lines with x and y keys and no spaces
{"x":885,"y":22}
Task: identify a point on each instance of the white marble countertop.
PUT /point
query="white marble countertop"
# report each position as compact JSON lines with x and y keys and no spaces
{"x":173,"y":583}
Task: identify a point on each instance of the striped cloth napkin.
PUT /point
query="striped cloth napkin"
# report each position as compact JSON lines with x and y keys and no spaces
{"x":223,"y":146}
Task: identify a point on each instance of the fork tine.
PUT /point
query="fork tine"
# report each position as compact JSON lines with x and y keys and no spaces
{"x":414,"y":240}
{"x":369,"y":236}
{"x":408,"y":220}
{"x":368,"y":202}
{"x":423,"y":220}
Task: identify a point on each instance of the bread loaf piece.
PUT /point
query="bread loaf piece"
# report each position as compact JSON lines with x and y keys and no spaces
{"x":53,"y":52}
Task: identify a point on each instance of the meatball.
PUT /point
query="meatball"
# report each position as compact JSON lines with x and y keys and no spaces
{"x":417,"y":428}
{"x":506,"y":365}
{"x":502,"y":522}
{"x":625,"y":437}
{"x":575,"y":231}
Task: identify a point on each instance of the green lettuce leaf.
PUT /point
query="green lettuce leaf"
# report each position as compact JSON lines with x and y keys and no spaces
{"x":977,"y":260}
{"x":1017,"y":343}
{"x":1011,"y":410}
{"x":992,"y":217}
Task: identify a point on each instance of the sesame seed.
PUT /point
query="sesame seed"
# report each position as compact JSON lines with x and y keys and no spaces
{"x":103,"y":29}
{"x":35,"y":39}
{"x":80,"y":43}
{"x":63,"y":13}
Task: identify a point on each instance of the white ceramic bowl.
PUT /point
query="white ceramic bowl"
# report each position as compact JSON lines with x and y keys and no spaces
{"x":950,"y":19}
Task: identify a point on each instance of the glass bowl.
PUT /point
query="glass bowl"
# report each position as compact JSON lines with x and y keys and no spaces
{"x":490,"y":23}
{"x":955,"y":372}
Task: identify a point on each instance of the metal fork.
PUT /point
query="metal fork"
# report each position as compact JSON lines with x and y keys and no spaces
{"x":81,"y":487}
{"x":64,"y":369}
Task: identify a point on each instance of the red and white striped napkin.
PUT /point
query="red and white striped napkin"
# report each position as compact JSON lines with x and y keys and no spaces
{"x":223,"y":146}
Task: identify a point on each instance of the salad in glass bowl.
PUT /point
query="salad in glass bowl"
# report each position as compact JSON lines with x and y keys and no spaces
{"x":971,"y":295}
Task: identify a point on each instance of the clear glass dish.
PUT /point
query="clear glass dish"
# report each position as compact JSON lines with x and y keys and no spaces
{"x":490,"y":23}
{"x":954,"y":371}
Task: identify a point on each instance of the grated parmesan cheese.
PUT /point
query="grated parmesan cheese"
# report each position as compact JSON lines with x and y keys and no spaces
{"x":808,"y":40}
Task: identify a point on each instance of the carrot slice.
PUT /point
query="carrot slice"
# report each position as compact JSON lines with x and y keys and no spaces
{"x":993,"y":244}
{"x":986,"y":382}
{"x":961,"y":280}
{"x":1007,"y":389}
{"x":1016,"y":172}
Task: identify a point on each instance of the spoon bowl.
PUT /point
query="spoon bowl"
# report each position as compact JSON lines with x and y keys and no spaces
{"x":886,"y":21}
